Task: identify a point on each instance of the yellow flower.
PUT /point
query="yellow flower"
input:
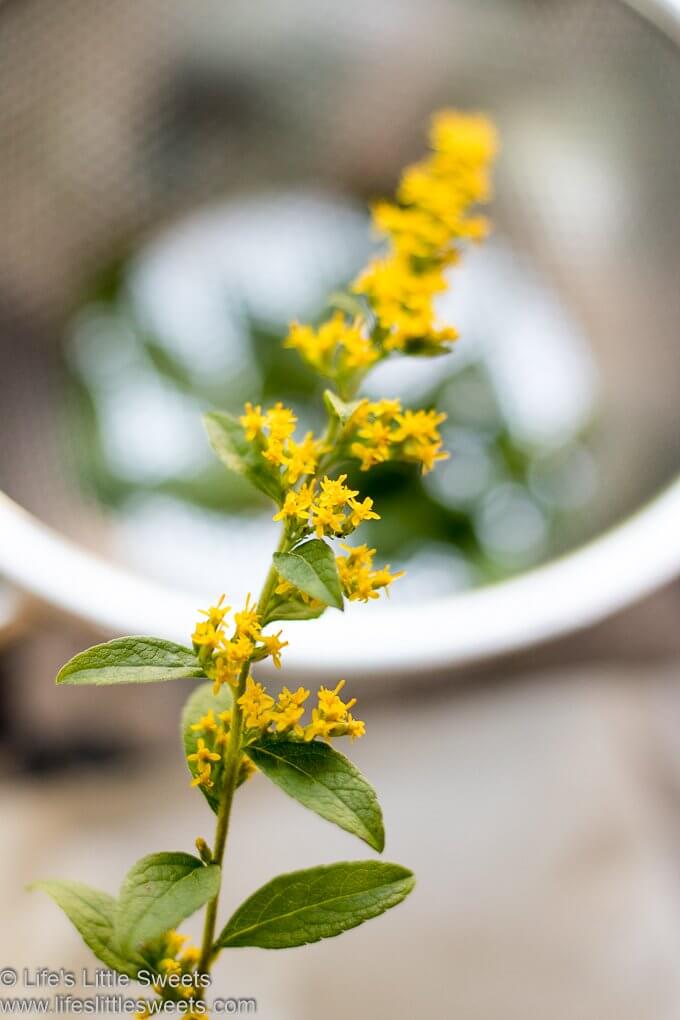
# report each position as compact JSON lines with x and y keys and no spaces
{"x":288,"y":698}
{"x":334,"y":492}
{"x":190,"y":957}
{"x":297,"y":503}
{"x":417,"y":425}
{"x":253,"y":421}
{"x":206,"y":635}
{"x":289,"y":710}
{"x":317,"y":347}
{"x":360,"y":583}
{"x":273,"y":646}
{"x":202,"y":778}
{"x":362,"y":511}
{"x":331,"y":717}
{"x":275,"y":453}
{"x":355,"y":727}
{"x":170,"y":966}
{"x":247,"y":621}
{"x":203,"y":755}
{"x":174,"y":941}
{"x":300,"y":459}
{"x":336,"y":348}
{"x":206,"y":724}
{"x":358,"y":350}
{"x":281,"y":422}
{"x":256,"y":705}
{"x":327,"y":521}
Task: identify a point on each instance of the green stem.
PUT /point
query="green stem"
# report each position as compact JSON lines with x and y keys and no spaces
{"x":232,"y":765}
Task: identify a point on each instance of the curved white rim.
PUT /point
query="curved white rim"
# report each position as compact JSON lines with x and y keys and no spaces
{"x":565,"y":595}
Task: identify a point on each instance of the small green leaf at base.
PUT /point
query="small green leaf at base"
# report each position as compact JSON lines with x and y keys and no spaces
{"x":323,"y":780}
{"x":311,"y":568}
{"x":93,"y":915}
{"x":318,"y":903}
{"x":158,"y":893}
{"x":292,"y":607}
{"x":229,"y":442}
{"x":338,"y":408}
{"x":131,"y":660}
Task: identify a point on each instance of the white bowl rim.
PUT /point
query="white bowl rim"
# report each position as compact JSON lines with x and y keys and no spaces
{"x":565,"y":595}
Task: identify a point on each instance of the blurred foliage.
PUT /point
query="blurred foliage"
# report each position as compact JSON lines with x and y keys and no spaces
{"x":416,"y":512}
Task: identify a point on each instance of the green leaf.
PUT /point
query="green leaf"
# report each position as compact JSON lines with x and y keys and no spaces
{"x":311,"y":568}
{"x":158,"y":893}
{"x":131,"y":660}
{"x":199,"y":704}
{"x":305,"y":906}
{"x":322,"y":779}
{"x":229,"y":442}
{"x":338,"y":408}
{"x":93,"y":914}
{"x":292,"y":607}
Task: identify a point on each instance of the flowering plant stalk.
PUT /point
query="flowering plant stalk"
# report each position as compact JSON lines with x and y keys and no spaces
{"x":232,"y":726}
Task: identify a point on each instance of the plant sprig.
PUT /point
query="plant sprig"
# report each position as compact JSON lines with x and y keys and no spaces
{"x":232,"y":726}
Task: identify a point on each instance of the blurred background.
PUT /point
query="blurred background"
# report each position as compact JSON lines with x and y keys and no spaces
{"x":177,"y":184}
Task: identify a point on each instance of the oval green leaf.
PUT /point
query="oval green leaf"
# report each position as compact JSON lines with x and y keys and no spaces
{"x":158,"y":893}
{"x":311,"y":568}
{"x":131,"y":660}
{"x":318,"y":903}
{"x":229,"y":442}
{"x":93,"y":915}
{"x":323,"y":780}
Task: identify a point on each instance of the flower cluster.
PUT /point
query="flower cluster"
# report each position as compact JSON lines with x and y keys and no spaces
{"x":425,"y":229}
{"x":271,"y":432}
{"x":359,"y":581}
{"x":328,"y":508}
{"x":207,"y":761}
{"x":382,"y":430}
{"x":330,"y":718}
{"x":224,"y":656}
{"x":175,"y":962}
{"x":338,"y":348}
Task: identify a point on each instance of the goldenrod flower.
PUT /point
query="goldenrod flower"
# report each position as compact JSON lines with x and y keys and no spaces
{"x":334,"y":492}
{"x":170,"y":966}
{"x":331,"y":717}
{"x":297,"y":504}
{"x":300,"y":458}
{"x":203,"y":755}
{"x":253,"y":421}
{"x":203,"y":778}
{"x":247,"y":621}
{"x":289,"y":710}
{"x":206,"y":724}
{"x":327,"y":521}
{"x":360,"y":583}
{"x":281,"y":422}
{"x":190,"y":957}
{"x":361,"y":512}
{"x":206,"y":635}
{"x":273,"y":646}
{"x":256,"y":705}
